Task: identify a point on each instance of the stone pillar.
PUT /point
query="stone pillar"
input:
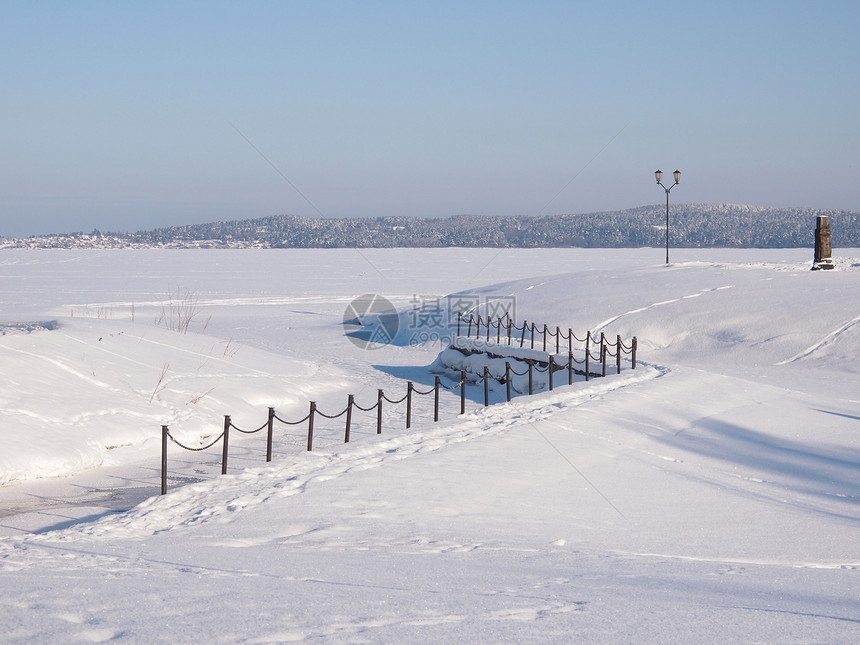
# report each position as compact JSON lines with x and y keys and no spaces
{"x":822,"y":245}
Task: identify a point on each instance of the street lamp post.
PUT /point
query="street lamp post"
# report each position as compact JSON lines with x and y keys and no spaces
{"x":659,"y":175}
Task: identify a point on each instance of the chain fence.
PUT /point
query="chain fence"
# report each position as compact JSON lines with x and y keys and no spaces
{"x":507,"y":335}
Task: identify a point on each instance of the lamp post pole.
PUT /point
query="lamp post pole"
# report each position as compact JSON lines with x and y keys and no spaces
{"x":659,"y":175}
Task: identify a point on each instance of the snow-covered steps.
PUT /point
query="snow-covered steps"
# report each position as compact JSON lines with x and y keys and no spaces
{"x":469,"y":346}
{"x":529,"y":370}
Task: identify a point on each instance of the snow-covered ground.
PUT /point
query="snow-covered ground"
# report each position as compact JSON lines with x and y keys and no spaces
{"x":711,"y":495}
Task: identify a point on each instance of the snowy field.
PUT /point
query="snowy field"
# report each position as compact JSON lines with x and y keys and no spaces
{"x":711,"y":495}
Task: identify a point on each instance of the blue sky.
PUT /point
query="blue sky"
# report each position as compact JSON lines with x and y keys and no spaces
{"x":127,"y":116}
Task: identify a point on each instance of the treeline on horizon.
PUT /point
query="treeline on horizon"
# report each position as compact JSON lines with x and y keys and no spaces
{"x":691,"y":225}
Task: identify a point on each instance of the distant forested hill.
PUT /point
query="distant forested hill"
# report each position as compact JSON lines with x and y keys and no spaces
{"x":691,"y":225}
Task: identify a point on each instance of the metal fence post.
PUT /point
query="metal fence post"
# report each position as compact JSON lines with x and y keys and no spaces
{"x":463,"y":392}
{"x":531,"y":380}
{"x":633,"y":352}
{"x":349,"y":401}
{"x":311,"y":425}
{"x":486,"y":386}
{"x":618,"y":354}
{"x":508,"y":379}
{"x":226,"y":441}
{"x":549,"y":372}
{"x":269,"y":433}
{"x":379,"y":397}
{"x":436,"y":400}
{"x":408,"y":404}
{"x":587,"y":359}
{"x":164,"y":460}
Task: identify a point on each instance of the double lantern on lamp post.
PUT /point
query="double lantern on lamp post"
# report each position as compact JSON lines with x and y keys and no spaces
{"x":659,"y":175}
